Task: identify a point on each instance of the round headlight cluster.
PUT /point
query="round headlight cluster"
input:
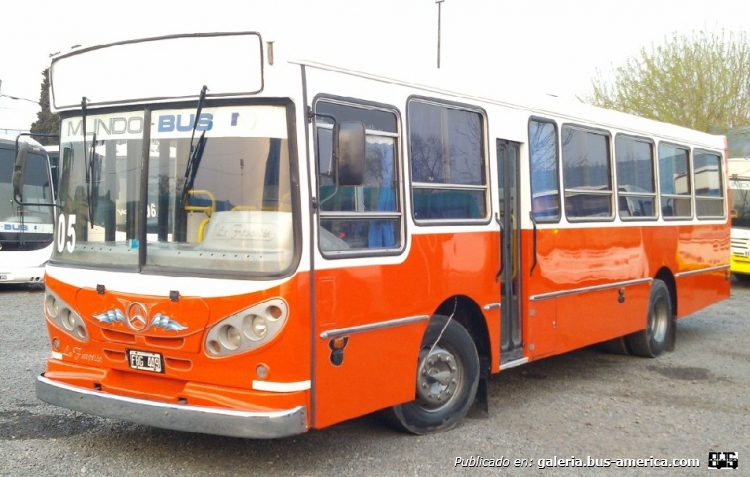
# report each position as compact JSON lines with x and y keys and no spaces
{"x":247,"y":329}
{"x":64,"y":317}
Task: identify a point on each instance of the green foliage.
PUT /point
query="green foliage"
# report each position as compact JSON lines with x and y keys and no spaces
{"x":701,"y":81}
{"x":46,"y":122}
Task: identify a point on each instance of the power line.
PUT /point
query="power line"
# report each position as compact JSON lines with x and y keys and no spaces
{"x":17,"y":98}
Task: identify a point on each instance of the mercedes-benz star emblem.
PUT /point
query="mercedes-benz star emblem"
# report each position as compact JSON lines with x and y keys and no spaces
{"x":137,"y":316}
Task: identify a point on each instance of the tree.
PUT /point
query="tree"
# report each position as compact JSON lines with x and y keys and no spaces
{"x":47,"y":122}
{"x":701,"y":81}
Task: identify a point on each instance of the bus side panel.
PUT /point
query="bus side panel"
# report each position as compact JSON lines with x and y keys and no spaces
{"x":541,"y":328}
{"x":379,"y":366}
{"x":597,"y":316}
{"x":539,"y":316}
{"x":698,"y":248}
{"x":695,"y":292}
{"x":573,"y":262}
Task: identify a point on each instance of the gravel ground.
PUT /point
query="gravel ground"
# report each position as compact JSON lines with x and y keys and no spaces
{"x":582,"y":404}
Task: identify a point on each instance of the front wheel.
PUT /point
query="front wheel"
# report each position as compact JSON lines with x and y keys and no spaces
{"x":447,"y":380}
{"x":652,"y":341}
{"x":741,"y":277}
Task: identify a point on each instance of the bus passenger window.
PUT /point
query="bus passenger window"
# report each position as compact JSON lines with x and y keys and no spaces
{"x":365,"y":217}
{"x":544,"y":171}
{"x":448,"y":166}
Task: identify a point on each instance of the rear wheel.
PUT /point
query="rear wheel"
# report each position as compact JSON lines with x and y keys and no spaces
{"x":741,"y":277}
{"x":652,"y":341}
{"x":447,"y":380}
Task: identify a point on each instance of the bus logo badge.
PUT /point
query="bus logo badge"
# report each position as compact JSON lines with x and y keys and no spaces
{"x":137,"y":316}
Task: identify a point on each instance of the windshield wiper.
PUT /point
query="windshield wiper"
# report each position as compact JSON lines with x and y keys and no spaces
{"x":88,"y":162}
{"x":192,"y":167}
{"x":196,"y":152}
{"x":91,"y":190}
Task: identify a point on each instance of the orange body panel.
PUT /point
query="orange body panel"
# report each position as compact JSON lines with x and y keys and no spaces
{"x":582,"y":259}
{"x":190,"y":373}
{"x":379,"y":366}
{"x":566,"y":305}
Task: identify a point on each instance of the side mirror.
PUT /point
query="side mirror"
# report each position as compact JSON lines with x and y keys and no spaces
{"x":349,"y":143}
{"x":18,"y":172}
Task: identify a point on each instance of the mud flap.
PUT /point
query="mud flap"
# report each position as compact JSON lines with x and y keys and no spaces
{"x":672,"y":338}
{"x":481,"y":408}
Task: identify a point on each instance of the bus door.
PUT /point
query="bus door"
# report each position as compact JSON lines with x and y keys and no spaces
{"x":511,"y":336}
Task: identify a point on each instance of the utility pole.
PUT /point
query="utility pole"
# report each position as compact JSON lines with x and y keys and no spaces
{"x":439,"y":4}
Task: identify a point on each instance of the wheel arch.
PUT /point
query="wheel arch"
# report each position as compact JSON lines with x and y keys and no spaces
{"x":664,"y":274}
{"x":469,"y":314}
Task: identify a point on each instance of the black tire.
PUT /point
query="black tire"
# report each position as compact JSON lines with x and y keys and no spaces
{"x":447,"y":380}
{"x":741,"y":277}
{"x":652,"y":341}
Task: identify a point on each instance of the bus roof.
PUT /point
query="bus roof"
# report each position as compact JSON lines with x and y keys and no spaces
{"x":11,"y":139}
{"x":486,"y":89}
{"x":479,"y":88}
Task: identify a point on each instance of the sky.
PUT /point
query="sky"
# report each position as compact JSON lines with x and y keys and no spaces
{"x":550,"y":46}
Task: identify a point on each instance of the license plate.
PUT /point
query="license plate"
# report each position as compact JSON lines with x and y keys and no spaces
{"x":146,"y":361}
{"x":3,"y":278}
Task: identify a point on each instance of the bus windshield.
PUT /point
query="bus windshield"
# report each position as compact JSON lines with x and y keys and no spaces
{"x":27,"y":227}
{"x":740,"y":190}
{"x":218,"y":197}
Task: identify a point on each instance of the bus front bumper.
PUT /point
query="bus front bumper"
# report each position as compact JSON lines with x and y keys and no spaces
{"x":22,"y":275}
{"x":207,"y":420}
{"x":740,"y":264}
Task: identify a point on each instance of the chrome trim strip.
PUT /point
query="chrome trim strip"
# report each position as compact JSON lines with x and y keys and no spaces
{"x":491,"y":306}
{"x":276,"y":387}
{"x":574,"y":291}
{"x":208,"y":420}
{"x":702,"y":270}
{"x":514,"y":363}
{"x":373,"y":326}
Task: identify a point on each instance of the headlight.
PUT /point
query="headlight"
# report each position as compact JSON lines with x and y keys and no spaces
{"x":64,"y":317}
{"x":255,"y":327}
{"x":274,"y":312}
{"x":52,"y":306}
{"x":247,"y":329}
{"x":67,"y":319}
{"x":229,"y":337}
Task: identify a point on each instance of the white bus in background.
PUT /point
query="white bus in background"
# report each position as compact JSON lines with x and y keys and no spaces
{"x":739,"y":185}
{"x":53,"y":153}
{"x":26,"y":232}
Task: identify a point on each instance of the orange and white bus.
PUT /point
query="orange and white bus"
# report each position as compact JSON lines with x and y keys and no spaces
{"x":258,"y":247}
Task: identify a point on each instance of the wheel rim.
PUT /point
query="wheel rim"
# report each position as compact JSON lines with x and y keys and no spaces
{"x":659,"y":320}
{"x":439,"y":379}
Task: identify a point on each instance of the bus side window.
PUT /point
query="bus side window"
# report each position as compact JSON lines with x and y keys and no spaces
{"x":364,"y":217}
